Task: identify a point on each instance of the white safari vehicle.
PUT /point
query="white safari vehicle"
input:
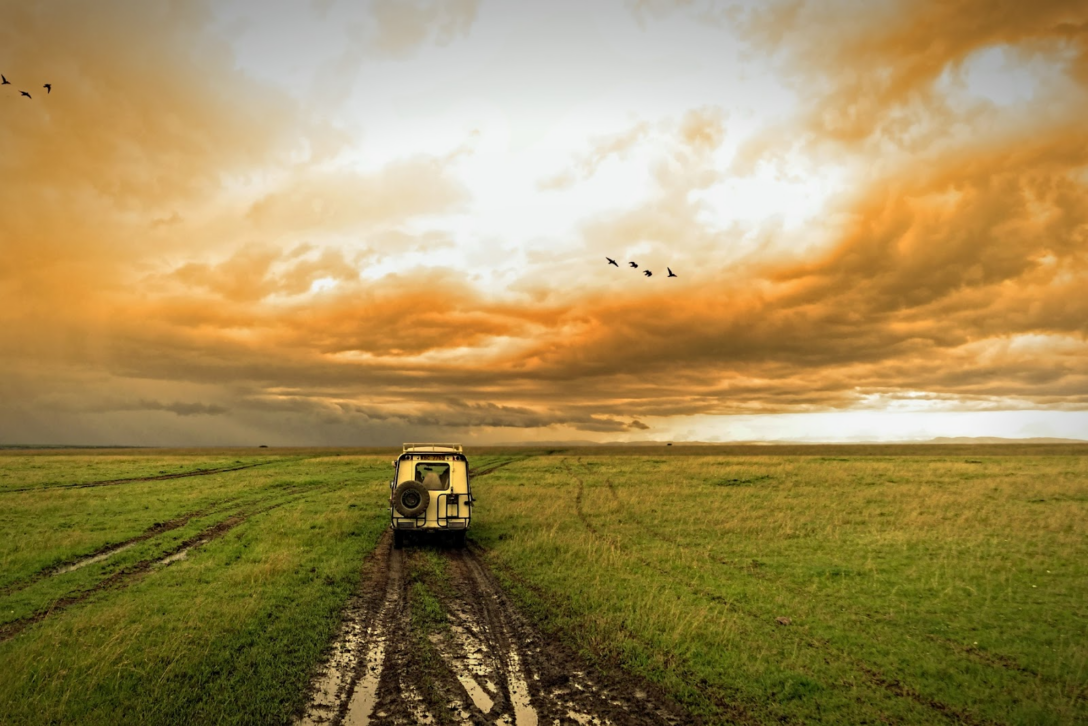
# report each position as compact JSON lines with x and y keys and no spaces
{"x":430,"y":493}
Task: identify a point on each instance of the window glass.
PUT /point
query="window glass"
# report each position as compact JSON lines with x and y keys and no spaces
{"x":434,"y":475}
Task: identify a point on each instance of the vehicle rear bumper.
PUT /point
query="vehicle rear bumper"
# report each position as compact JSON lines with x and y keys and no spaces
{"x":440,"y":526}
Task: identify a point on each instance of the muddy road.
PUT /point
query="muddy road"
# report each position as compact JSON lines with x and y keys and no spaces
{"x":431,"y":638}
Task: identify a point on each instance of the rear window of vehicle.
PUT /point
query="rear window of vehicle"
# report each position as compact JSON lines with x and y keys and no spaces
{"x":440,"y":472}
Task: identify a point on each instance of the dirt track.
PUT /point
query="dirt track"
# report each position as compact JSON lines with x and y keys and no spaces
{"x":485,"y":664}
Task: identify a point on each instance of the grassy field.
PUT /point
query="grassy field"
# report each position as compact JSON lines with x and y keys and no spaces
{"x":914,"y":585}
{"x":228,"y":631}
{"x":926,"y":587}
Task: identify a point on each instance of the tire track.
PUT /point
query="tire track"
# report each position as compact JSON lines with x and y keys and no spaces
{"x":485,"y":665}
{"x":470,"y":655}
{"x":118,"y":580}
{"x":870,"y":674}
{"x":107,"y":551}
{"x":478,"y":607}
{"x":474,"y":473}
{"x":545,"y":681}
{"x":158,"y":477}
{"x":113,"y":548}
{"x":348,"y":681}
{"x":733,"y":711}
{"x":994,"y":660}
{"x":413,"y":687}
{"x":133,"y":573}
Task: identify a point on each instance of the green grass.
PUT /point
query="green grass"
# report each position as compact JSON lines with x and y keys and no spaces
{"x":923,"y":585}
{"x":919,"y":589}
{"x":47,"y":528}
{"x":49,"y":469}
{"x":427,"y":577}
{"x":230,"y":634}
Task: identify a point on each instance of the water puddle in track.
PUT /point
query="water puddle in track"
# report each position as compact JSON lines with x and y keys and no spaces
{"x":97,"y":558}
{"x":364,"y":697}
{"x":176,"y":556}
{"x":466,"y":658}
{"x":213,"y":532}
{"x":524,"y":713}
{"x":338,"y":674}
{"x":182,"y":554}
{"x":470,"y":659}
{"x":346,"y":691}
{"x":478,"y":695}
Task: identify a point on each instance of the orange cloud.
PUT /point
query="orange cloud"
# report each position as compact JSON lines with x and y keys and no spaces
{"x":248,"y":274}
{"x":874,"y":71}
{"x":144,"y":274}
{"x":345,"y":201}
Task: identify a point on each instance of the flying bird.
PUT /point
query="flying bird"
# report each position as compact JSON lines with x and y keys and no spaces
{"x":647,"y":273}
{"x":48,"y":88}
{"x":611,"y":261}
{"x":24,"y":93}
{"x":633,"y":264}
{"x":671,"y":273}
{"x":6,"y":81}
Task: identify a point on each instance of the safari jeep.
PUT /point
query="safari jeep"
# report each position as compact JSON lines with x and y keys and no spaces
{"x":430,"y":493}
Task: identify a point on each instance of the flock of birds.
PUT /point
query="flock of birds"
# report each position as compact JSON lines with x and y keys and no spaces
{"x":5,"y":82}
{"x":634,"y":265}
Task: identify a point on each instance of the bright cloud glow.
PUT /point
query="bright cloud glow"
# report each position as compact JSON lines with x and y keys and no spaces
{"x":323,"y":283}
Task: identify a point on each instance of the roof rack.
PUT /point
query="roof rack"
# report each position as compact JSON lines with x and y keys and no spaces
{"x":434,"y":447}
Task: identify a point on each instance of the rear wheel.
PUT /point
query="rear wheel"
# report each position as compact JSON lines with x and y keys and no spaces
{"x":411,"y":499}
{"x":398,"y":539}
{"x":459,"y":539}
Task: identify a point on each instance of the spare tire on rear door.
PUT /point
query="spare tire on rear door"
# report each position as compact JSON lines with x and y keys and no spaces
{"x":411,"y":499}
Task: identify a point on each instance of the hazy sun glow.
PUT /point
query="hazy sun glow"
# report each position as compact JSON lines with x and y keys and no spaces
{"x":362,"y":222}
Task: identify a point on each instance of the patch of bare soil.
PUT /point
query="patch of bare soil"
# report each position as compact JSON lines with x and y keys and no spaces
{"x":485,"y":664}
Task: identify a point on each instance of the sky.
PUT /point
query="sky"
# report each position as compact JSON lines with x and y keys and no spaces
{"x":338,"y":222}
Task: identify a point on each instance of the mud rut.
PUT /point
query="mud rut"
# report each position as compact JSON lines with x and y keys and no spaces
{"x":488,"y":666}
